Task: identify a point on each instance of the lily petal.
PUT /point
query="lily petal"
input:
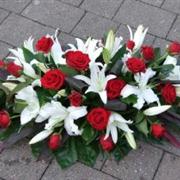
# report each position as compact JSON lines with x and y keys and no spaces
{"x":156,"y":110}
{"x":131,"y":140}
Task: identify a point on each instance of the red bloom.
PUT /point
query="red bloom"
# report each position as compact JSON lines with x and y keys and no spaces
{"x":169,"y":93}
{"x":2,"y":64}
{"x":53,"y":79}
{"x":130,"y":44}
{"x":174,"y":48}
{"x":136,"y":65}
{"x":4,"y":119}
{"x":75,"y":98}
{"x":148,"y":52}
{"x":106,"y":144}
{"x":98,"y":118}
{"x":157,"y":130}
{"x":54,"y":141}
{"x":114,"y":88}
{"x":77,"y":60}
{"x":44,"y":44}
{"x":14,"y":69}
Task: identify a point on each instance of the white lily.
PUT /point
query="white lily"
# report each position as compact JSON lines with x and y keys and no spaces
{"x":97,"y":81}
{"x":116,"y":121}
{"x":124,"y":60}
{"x":138,"y":37}
{"x":152,"y":111}
{"x":56,"y":115}
{"x":28,"y":44}
{"x":143,"y":92}
{"x":28,"y":95}
{"x":90,"y":47}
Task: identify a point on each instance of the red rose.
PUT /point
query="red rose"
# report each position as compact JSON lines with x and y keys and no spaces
{"x":44,"y":44}
{"x":136,"y":65}
{"x":174,"y":48}
{"x":98,"y":118}
{"x":130,"y":44}
{"x":106,"y":144}
{"x":4,"y":119}
{"x":148,"y":52}
{"x":157,"y":130}
{"x":114,"y":88}
{"x":77,"y":60}
{"x":14,"y":69}
{"x":169,"y":93}
{"x":75,"y":98}
{"x":53,"y":79}
{"x":54,"y":141}
{"x":2,"y":64}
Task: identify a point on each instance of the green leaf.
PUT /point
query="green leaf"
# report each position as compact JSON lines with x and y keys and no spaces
{"x":139,"y":117}
{"x":37,"y":149}
{"x":143,"y":127}
{"x":132,"y":99}
{"x":87,"y":154}
{"x":67,"y":70}
{"x":120,"y":53}
{"x":157,"y":52}
{"x":40,"y":57}
{"x":89,"y":134}
{"x":2,"y":98}
{"x":29,"y":56}
{"x":165,"y":70}
{"x":67,"y":154}
{"x":19,"y":106}
{"x":106,"y":56}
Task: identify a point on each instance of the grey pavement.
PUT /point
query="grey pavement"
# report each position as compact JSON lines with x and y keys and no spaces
{"x":82,"y":18}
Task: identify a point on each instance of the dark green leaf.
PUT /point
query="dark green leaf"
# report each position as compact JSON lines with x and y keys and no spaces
{"x":37,"y":149}
{"x":67,"y":70}
{"x":2,"y":98}
{"x":40,"y":57}
{"x":67,"y":154}
{"x":132,"y":99}
{"x":157,"y":52}
{"x":165,"y":70}
{"x":29,"y":56}
{"x":143,"y":127}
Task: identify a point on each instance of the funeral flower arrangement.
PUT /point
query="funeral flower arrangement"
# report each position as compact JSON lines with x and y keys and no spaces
{"x":97,"y":96}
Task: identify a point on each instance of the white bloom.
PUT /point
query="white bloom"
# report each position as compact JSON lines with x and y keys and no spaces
{"x":28,"y":44}
{"x":97,"y":81}
{"x":152,"y":111}
{"x":116,"y":121}
{"x":124,"y":60}
{"x":57,"y":115}
{"x":138,"y":37}
{"x":28,"y":95}
{"x":90,"y":47}
{"x":143,"y":92}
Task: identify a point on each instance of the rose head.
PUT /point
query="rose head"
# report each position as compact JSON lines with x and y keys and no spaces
{"x":4,"y":119}
{"x":157,"y":130}
{"x":148,"y":52}
{"x":174,"y":48}
{"x":75,"y":98}
{"x":77,"y":60}
{"x":130,"y":44}
{"x":106,"y":144}
{"x":114,"y":88}
{"x":54,"y":142}
{"x":44,"y":44}
{"x":98,"y":118}
{"x":53,"y":79}
{"x":14,"y":69}
{"x":136,"y":65}
{"x":168,"y":93}
{"x":2,"y":64}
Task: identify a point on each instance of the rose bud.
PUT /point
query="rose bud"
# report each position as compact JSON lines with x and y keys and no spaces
{"x":75,"y":98}
{"x":77,"y":60}
{"x":130,"y":44}
{"x":106,"y":144}
{"x":157,"y":130}
{"x":54,"y":141}
{"x":168,"y":93}
{"x":136,"y":65}
{"x":44,"y":44}
{"x":2,"y":64}
{"x":148,"y":52}
{"x":14,"y":69}
{"x":4,"y":119}
{"x":174,"y":48}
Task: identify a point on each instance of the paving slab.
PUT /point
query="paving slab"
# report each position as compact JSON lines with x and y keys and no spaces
{"x":139,"y":164}
{"x":17,"y":163}
{"x":4,"y":50}
{"x":172,"y":5}
{"x":174,"y":34}
{"x":66,"y":39}
{"x":55,"y":14}
{"x":14,"y":5}
{"x":169,"y":168}
{"x":93,"y":25}
{"x":124,"y":32}
{"x":75,"y":172}
{"x":15,"y":29}
{"x":106,"y":8}
{"x":134,"y":12}
{"x":162,"y":43}
{"x":153,"y":2}
{"x":73,"y":2}
{"x":3,"y":15}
